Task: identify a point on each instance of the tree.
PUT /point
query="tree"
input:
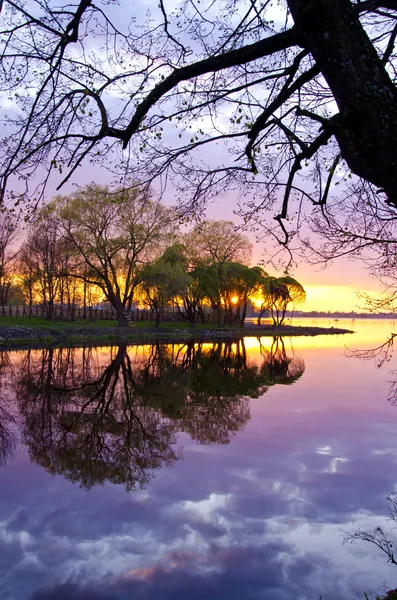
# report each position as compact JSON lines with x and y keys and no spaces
{"x":227,"y":291}
{"x":364,"y":229}
{"x":163,"y":281}
{"x":208,"y":288}
{"x":27,"y":275}
{"x":379,"y":537}
{"x":238,"y":284}
{"x":193,"y":300}
{"x":88,"y":422}
{"x":278,"y":293}
{"x":189,"y":301}
{"x":282,"y":369}
{"x":315,"y":86}
{"x":216,"y":242}
{"x":113,"y":234}
{"x":183,"y":288}
{"x":42,"y":255}
{"x":8,"y":418}
{"x":8,"y":437}
{"x":9,"y":229}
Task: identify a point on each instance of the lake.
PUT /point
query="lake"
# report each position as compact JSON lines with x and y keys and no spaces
{"x":197,"y":471}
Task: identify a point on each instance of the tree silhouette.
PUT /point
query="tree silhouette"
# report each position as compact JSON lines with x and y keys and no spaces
{"x":281,"y":368}
{"x":316,"y":85}
{"x":8,"y":415}
{"x":381,"y":355}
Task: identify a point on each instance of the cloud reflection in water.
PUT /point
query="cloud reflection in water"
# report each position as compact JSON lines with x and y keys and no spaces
{"x":257,"y":518}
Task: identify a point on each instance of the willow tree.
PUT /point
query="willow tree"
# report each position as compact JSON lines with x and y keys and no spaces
{"x":227,"y":291}
{"x":280,"y":293}
{"x":218,"y":96}
{"x":238,"y":284}
{"x":163,"y":280}
{"x":113,"y":233}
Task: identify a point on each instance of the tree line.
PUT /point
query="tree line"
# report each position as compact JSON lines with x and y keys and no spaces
{"x":125,"y":247}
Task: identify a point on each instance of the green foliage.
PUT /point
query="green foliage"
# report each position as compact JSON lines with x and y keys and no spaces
{"x":278,"y":293}
{"x":227,"y":289}
{"x":117,"y":241}
{"x":164,"y":280}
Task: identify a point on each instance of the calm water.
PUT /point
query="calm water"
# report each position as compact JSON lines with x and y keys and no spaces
{"x":200,"y":472}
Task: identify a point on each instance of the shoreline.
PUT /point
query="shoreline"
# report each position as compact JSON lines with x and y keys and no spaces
{"x":22,"y":337}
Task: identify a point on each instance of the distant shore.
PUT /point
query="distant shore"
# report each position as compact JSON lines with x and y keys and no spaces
{"x":22,"y":336}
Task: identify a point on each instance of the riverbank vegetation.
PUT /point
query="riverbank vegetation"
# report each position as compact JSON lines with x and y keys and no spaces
{"x":37,"y":332}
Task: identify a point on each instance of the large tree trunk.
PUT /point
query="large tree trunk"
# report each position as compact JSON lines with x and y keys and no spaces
{"x":191,"y":314}
{"x":244,"y":313}
{"x":119,"y":308}
{"x":50,"y":310}
{"x":366,"y":128}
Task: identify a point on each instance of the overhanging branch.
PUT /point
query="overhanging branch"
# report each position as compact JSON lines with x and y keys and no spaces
{"x":275,"y":43}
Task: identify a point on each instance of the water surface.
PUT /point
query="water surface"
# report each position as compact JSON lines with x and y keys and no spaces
{"x":196,"y":471}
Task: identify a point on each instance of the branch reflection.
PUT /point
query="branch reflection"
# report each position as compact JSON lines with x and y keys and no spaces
{"x":381,"y":355}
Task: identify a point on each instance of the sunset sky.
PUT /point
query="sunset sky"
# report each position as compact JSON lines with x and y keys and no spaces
{"x":332,"y":297}
{"x":336,"y":287}
{"x":333,"y":288}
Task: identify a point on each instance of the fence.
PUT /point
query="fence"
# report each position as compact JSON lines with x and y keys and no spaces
{"x":87,"y":314}
{"x":60,"y":312}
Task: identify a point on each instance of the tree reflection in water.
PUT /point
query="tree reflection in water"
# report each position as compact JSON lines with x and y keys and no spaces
{"x":8,"y":418}
{"x":89,"y":423}
{"x":119,"y":423}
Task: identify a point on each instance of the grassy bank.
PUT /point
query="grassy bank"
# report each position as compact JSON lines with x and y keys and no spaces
{"x":40,"y":323}
{"x":25,"y":332}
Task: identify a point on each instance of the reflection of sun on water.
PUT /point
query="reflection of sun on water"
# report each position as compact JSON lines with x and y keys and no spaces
{"x":253,"y":344}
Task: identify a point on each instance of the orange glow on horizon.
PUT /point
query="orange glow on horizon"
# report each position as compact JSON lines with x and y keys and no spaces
{"x":333,"y":298}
